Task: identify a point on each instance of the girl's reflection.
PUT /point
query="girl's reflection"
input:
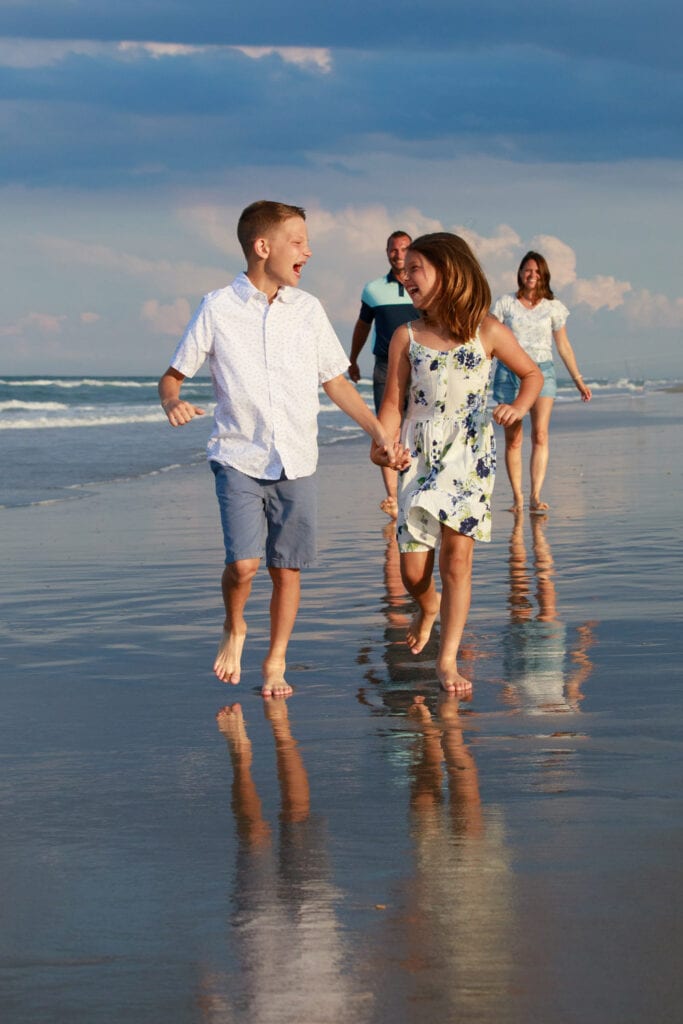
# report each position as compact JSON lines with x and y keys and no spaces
{"x":535,"y":646}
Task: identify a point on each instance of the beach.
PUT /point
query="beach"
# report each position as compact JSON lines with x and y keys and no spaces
{"x":367,"y":850}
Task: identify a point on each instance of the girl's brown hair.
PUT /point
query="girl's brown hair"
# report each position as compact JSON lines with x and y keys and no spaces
{"x":461,"y":296}
{"x":544,"y":291}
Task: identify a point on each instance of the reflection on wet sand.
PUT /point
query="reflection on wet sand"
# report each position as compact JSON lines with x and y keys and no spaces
{"x":451,"y":937}
{"x":291,"y":953}
{"x":535,"y":644}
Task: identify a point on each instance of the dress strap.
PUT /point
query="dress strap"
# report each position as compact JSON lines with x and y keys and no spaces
{"x":411,"y":337}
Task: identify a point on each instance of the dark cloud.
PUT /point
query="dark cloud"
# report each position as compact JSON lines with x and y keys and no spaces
{"x":122,"y":118}
{"x":635,"y":32}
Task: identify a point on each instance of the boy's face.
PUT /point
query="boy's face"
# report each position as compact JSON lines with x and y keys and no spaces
{"x":287,"y":252}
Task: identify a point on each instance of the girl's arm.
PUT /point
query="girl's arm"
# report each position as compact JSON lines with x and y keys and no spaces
{"x":569,"y":359}
{"x":398,"y":378}
{"x":499,"y":341}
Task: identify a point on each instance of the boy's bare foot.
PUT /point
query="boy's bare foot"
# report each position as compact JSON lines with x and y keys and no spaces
{"x":228,"y":663}
{"x":452,"y":682}
{"x":274,"y":682}
{"x":420,"y":629}
{"x":390,"y":507}
{"x":230,"y":721}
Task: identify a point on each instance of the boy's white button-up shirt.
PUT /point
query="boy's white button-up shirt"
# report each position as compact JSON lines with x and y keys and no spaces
{"x":267,"y":362}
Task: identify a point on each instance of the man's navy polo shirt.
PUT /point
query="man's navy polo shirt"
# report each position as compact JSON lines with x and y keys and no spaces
{"x":387,"y":303}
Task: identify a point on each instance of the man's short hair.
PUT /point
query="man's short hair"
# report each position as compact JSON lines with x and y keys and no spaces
{"x":397,"y":234}
{"x":258,"y":218}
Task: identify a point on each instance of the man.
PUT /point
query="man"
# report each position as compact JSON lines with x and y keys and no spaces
{"x":269,"y":347}
{"x":385,"y":303}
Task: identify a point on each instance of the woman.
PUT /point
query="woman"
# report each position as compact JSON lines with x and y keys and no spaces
{"x":536,"y":318}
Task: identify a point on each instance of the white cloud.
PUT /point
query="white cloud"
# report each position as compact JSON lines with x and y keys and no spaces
{"x":166,"y":319}
{"x":648,"y":309}
{"x":319,"y":58}
{"x":172,"y":277}
{"x":600,"y":292}
{"x":560,"y":257}
{"x":42,"y":323}
{"x":90,"y":318}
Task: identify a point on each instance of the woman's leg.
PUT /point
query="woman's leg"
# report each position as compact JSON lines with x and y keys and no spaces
{"x":540,"y":424}
{"x":514,"y":436}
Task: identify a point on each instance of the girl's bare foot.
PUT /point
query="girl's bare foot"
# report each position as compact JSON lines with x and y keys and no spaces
{"x":228,"y":663}
{"x":274,"y":682}
{"x":420,"y":629}
{"x":452,"y":682}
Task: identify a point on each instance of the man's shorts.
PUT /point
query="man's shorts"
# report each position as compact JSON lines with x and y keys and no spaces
{"x":379,"y":379}
{"x":278,"y":516}
{"x":506,"y":383}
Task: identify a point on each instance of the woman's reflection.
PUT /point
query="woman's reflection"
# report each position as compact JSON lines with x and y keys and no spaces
{"x":535,"y":644}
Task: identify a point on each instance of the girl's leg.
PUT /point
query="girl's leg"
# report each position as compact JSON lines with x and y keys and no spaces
{"x":513,"y":463}
{"x":455,"y":567}
{"x":540,"y":423}
{"x":284,"y":605}
{"x":417,"y":572}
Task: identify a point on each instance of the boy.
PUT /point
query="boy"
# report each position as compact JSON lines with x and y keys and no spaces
{"x":269,"y":348}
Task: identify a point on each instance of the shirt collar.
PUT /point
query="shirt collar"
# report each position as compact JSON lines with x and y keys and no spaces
{"x":245,"y":290}
{"x":391,"y":276}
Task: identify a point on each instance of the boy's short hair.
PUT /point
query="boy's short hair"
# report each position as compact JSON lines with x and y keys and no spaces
{"x":256,"y":220}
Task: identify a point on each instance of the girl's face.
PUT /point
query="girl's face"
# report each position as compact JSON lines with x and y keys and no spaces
{"x":420,"y":279}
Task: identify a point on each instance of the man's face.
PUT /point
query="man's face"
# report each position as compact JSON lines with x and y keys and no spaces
{"x":396,"y":253}
{"x":288,"y":252}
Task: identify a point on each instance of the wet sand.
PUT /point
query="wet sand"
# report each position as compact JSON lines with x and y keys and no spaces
{"x":365,"y":851}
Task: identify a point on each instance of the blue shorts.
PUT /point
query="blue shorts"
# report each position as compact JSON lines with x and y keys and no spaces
{"x":379,"y":380}
{"x":506,"y":383}
{"x":278,"y":516}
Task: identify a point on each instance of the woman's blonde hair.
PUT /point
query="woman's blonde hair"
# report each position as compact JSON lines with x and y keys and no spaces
{"x":461,"y":297}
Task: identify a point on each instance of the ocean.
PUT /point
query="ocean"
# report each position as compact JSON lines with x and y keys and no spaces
{"x":61,"y":435}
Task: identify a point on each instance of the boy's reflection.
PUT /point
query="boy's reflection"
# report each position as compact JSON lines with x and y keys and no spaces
{"x":535,"y":642}
{"x":285,"y":929}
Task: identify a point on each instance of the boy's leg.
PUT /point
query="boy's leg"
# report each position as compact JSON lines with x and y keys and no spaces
{"x":236,"y":587}
{"x":284,"y":605}
{"x":417,"y":572}
{"x":291,"y":512}
{"x":455,"y":568}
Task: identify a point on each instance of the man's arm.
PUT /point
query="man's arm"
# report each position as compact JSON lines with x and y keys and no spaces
{"x":177,"y":409}
{"x":358,"y":339}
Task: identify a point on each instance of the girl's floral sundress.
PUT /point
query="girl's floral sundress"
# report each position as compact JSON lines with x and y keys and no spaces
{"x":449,"y":433}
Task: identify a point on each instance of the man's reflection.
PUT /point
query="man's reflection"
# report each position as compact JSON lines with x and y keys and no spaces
{"x":535,"y":645}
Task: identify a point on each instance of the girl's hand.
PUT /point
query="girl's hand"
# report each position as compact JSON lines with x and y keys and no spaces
{"x":506,"y":415}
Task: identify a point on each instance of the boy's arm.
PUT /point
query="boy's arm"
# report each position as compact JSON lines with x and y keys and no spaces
{"x":176,"y":408}
{"x":345,"y":396}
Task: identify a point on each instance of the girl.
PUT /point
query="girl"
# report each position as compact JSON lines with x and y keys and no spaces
{"x":435,"y":401}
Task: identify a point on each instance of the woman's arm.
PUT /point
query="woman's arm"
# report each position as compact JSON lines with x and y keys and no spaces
{"x":569,"y":359}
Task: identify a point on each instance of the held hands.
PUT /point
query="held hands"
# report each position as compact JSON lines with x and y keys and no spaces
{"x":395,"y":456}
{"x":180,"y":412}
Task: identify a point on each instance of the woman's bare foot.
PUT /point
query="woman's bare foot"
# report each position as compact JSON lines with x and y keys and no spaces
{"x":228,"y":663}
{"x":538,"y":508}
{"x":420,"y":629}
{"x":274,"y":682}
{"x":452,"y":682}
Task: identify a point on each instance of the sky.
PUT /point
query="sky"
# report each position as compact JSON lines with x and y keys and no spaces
{"x":133,"y":134}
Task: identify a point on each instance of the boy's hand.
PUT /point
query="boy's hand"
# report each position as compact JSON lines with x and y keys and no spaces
{"x":180,"y":412}
{"x":394,"y":456}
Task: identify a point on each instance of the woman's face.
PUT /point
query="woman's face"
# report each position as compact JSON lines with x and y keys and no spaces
{"x":420,"y":279}
{"x":530,"y":276}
